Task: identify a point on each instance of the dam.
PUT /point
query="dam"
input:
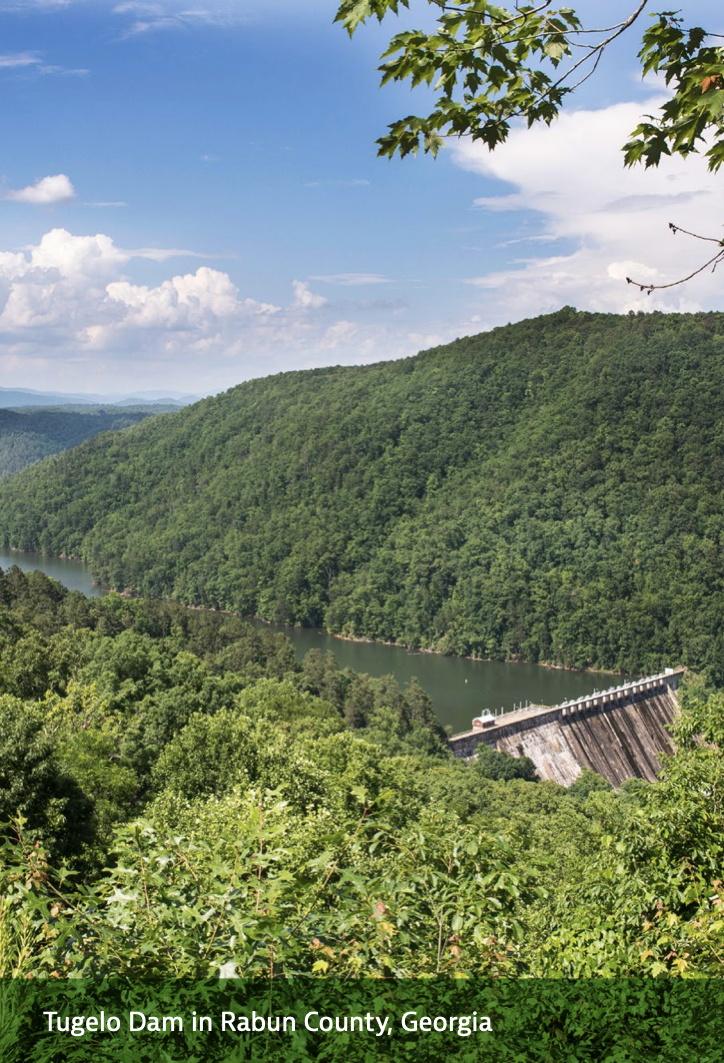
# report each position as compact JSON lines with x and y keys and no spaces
{"x":620,"y":733}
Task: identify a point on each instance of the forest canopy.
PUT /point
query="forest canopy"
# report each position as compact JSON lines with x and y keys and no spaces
{"x":30,"y":434}
{"x":548,"y":491}
{"x":179,"y":797}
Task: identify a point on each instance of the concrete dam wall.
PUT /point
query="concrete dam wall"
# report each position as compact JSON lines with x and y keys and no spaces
{"x":619,"y":733}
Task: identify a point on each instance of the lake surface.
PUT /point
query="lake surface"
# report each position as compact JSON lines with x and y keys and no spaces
{"x":459,"y":688}
{"x":72,"y":574}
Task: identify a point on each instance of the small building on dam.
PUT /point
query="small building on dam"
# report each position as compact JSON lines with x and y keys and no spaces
{"x":620,"y":733}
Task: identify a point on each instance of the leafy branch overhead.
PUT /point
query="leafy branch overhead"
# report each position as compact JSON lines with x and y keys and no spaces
{"x":488,"y":66}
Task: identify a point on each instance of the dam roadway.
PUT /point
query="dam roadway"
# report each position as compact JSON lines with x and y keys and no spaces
{"x":620,"y":733}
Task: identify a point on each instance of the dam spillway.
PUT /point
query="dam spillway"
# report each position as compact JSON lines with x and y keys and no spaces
{"x":620,"y":733}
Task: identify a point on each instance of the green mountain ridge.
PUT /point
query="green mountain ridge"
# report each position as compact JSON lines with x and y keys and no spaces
{"x":550,"y":491}
{"x":30,"y":434}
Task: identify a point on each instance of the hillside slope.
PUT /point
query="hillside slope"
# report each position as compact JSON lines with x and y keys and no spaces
{"x":29,"y":435}
{"x":552,"y":490}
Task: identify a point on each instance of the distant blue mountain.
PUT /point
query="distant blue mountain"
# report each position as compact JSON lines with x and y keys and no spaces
{"x":12,"y":398}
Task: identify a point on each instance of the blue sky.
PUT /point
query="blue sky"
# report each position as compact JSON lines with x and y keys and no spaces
{"x":190,"y":196}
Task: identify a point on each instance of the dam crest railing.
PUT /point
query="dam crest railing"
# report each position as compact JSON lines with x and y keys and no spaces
{"x":669,"y":679}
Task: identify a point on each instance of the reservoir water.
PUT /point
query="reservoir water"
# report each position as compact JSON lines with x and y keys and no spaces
{"x":72,"y":574}
{"x":460,"y":688}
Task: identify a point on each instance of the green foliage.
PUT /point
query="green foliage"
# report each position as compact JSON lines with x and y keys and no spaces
{"x":246,"y":823}
{"x":589,"y":782}
{"x":32,"y":783}
{"x":489,"y":66}
{"x":486,"y":64}
{"x":493,"y":765}
{"x":536,"y":1020}
{"x":693,"y":115}
{"x":210,"y":755}
{"x":442,"y":898}
{"x":549,"y":491}
{"x":28,"y":435}
{"x":90,"y":757}
{"x":151,"y":706}
{"x":24,"y":909}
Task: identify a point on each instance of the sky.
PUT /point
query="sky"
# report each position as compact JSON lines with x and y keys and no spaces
{"x":190,"y":196}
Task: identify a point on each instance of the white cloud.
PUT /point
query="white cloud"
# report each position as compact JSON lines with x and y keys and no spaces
{"x":85,"y":255}
{"x":62,"y":71}
{"x":23,"y":7}
{"x":33,"y":62}
{"x":352,"y":280}
{"x":70,"y":306}
{"x":327,"y":182}
{"x":304,"y":299}
{"x":338,"y":335}
{"x":70,"y":290}
{"x":19,"y":59}
{"x":190,"y":301}
{"x":77,"y":256}
{"x":135,"y":7}
{"x":46,"y":190}
{"x":162,"y":254}
{"x":609,"y":222}
{"x":175,"y":15}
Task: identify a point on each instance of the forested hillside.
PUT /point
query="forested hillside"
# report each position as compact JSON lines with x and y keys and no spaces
{"x":179,"y":797}
{"x":552,"y":490}
{"x":28,"y":435}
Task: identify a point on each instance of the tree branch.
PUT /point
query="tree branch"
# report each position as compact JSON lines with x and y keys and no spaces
{"x":713,"y":262}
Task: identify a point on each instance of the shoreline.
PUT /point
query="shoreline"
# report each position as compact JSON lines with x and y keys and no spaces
{"x":127,"y":592}
{"x":409,"y":649}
